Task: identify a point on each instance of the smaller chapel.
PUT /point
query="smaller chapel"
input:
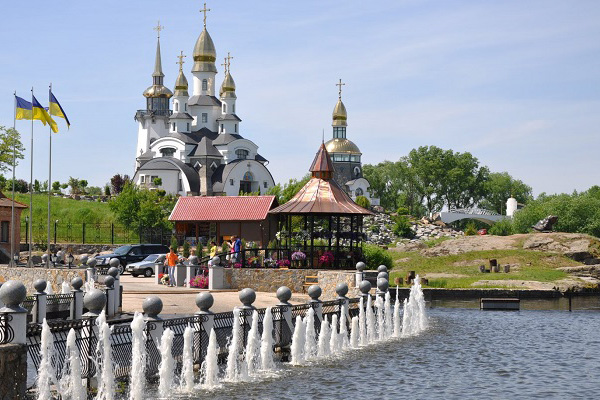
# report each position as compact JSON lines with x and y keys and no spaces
{"x":196,"y":147}
{"x":346,"y":155}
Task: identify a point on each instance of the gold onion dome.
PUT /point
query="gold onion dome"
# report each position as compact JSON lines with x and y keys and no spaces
{"x":339,"y":114}
{"x":205,"y":54}
{"x":181,"y":85}
{"x":227,"y":87}
{"x":338,"y":145}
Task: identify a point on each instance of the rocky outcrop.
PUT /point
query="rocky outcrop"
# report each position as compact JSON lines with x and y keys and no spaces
{"x":429,"y":230}
{"x":379,"y":229}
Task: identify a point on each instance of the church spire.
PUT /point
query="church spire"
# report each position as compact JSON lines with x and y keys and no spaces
{"x":158,"y":95}
{"x":340,"y":115}
{"x":181,"y":84}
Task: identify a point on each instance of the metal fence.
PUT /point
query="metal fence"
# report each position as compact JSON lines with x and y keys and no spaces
{"x":7,"y":333}
{"x":93,"y":233}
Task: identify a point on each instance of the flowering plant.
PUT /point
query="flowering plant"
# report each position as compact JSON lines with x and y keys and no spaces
{"x":253,"y":262}
{"x":269,"y":262}
{"x":327,"y":257}
{"x":237,"y":265}
{"x":199,"y":281}
{"x":298,"y":255}
{"x":283,"y":263}
{"x":164,"y":279}
{"x":281,"y":234}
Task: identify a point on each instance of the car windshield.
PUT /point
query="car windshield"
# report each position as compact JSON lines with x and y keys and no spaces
{"x":151,"y":257}
{"x":121,"y":251}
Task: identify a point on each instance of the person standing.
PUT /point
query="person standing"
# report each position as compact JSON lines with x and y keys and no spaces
{"x":171,"y":261}
{"x":237,"y":249}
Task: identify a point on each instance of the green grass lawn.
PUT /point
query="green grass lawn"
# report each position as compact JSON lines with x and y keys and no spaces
{"x":65,"y":210}
{"x":532,"y":266}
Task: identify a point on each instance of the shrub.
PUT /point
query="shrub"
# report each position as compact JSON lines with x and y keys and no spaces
{"x":471,"y":229}
{"x":186,"y":249}
{"x":402,"y":227}
{"x":402,"y":211}
{"x":376,"y":256}
{"x":504,"y":227}
{"x":363,"y":202}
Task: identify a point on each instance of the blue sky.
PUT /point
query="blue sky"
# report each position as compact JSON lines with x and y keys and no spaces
{"x":516,"y":83}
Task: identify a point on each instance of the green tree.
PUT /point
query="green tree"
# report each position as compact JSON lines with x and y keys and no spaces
{"x":83,"y":185}
{"x":106,"y":190}
{"x":499,"y":187}
{"x":94,"y":191}
{"x":117,"y":183}
{"x":63,"y":186}
{"x":428,"y":166}
{"x":74,"y":184}
{"x":157,"y":181}
{"x":37,"y":187}
{"x":10,"y":145}
{"x":136,"y":208}
{"x":56,"y":186}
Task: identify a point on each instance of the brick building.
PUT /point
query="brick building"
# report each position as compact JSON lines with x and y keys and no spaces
{"x":5,"y":228}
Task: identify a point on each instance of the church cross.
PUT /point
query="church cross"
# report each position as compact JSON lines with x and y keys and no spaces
{"x":205,"y":10}
{"x":228,"y":61}
{"x":340,"y":88}
{"x":158,"y":28}
{"x":180,"y":62}
{"x":225,"y":64}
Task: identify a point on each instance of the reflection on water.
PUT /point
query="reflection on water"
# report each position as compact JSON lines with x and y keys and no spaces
{"x":465,"y":354}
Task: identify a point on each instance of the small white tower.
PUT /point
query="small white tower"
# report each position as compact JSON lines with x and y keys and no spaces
{"x":181,"y":121}
{"x":153,"y":122}
{"x":228,"y":121}
{"x":511,"y":206}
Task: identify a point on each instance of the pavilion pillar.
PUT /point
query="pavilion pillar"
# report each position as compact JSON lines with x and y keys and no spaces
{"x":337,"y":241}
{"x":197,"y":236}
{"x":312,"y":239}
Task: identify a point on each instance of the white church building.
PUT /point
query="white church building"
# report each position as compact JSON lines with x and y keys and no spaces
{"x":194,"y":143}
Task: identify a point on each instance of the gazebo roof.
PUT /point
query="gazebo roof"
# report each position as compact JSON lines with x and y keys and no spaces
{"x":321,"y":194}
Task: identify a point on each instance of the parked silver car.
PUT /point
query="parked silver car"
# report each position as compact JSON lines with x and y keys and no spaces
{"x":146,"y":266}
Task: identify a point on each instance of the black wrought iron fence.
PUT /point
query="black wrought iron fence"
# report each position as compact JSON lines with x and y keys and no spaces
{"x":7,"y":333}
{"x":93,"y":233}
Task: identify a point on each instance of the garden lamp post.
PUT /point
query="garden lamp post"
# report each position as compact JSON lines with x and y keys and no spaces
{"x":70,"y":259}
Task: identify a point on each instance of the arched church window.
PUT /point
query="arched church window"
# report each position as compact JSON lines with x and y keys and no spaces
{"x":188,"y":127}
{"x":167,"y":152}
{"x":185,"y":106}
{"x":224,"y":108}
{"x":235,"y":128}
{"x":359,"y":192}
{"x":356,"y":172}
{"x":248,"y":177}
{"x":173,"y":125}
{"x":204,"y":84}
{"x":176,"y":107}
{"x":241,"y":154}
{"x":233,"y":108}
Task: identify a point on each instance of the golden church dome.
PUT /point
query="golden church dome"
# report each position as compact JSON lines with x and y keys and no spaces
{"x":158,"y":91}
{"x":339,"y":114}
{"x":342,"y":146}
{"x":228,"y":86}
{"x":205,"y":54}
{"x":181,"y":85}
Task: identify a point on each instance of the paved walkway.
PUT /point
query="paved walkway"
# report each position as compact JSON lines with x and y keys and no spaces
{"x":180,"y":300}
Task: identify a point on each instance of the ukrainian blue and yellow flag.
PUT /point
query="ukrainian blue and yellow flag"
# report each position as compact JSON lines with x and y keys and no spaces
{"x":24,"y":109}
{"x":56,"y":109}
{"x":40,"y":113}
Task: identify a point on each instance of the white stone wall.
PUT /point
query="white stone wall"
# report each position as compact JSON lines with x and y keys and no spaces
{"x":259,"y":171}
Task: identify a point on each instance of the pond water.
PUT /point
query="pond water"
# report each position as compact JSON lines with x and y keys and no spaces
{"x":465,"y":353}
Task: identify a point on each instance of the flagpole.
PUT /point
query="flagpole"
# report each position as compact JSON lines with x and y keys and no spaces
{"x":29,"y":260}
{"x":12,"y":215}
{"x":49,"y":177}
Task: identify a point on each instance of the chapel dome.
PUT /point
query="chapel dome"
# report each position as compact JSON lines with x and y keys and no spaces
{"x":205,"y":53}
{"x":228,"y":86}
{"x":339,"y":114}
{"x":338,"y":145}
{"x":181,"y":85}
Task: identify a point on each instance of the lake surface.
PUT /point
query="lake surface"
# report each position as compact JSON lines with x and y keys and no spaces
{"x":465,"y":354}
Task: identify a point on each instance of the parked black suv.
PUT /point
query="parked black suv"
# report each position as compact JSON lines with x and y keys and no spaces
{"x":131,"y":253}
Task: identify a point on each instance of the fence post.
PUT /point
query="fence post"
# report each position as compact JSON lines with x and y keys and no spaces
{"x":90,"y":271}
{"x":153,"y":306}
{"x":284,"y":294}
{"x":12,"y":294}
{"x":365,"y":288}
{"x":83,"y":233}
{"x":204,"y":301}
{"x":114,"y":272}
{"x":359,"y":275}
{"x":191,"y":269}
{"x":109,"y":282}
{"x":77,"y":302}
{"x":247,"y":296}
{"x":314,"y":291}
{"x":342,"y":289}
{"x":39,"y":307}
